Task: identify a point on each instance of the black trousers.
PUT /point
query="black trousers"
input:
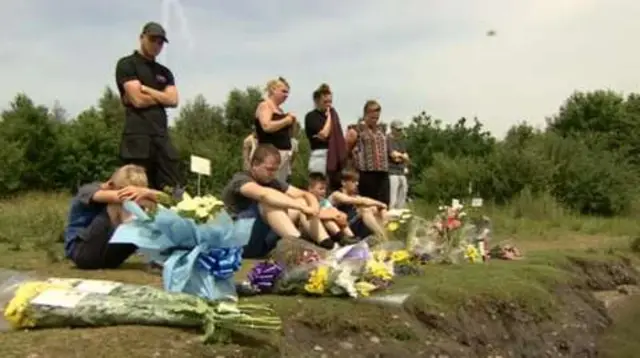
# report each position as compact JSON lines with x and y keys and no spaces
{"x":157,"y":155}
{"x":375,"y":185}
{"x":93,"y":251}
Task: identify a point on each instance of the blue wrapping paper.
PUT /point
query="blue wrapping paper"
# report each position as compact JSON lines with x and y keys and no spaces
{"x":198,"y":259}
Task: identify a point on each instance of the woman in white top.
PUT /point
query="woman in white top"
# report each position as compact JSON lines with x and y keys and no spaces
{"x":295,"y":146}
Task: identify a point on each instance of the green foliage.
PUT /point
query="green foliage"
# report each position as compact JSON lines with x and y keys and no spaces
{"x":587,"y":159}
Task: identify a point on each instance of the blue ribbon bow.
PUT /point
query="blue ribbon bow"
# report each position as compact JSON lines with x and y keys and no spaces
{"x":221,"y":263}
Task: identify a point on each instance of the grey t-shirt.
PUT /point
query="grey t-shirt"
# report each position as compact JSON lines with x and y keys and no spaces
{"x":399,"y":145}
{"x":235,"y":202}
{"x":82,"y":213}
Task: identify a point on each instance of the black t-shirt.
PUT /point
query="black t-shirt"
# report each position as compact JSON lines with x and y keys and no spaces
{"x":313,"y":123}
{"x":151,"y":120}
{"x":280,"y":139}
{"x":233,"y":199}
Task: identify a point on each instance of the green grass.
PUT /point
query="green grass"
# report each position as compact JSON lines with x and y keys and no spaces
{"x":30,"y":240}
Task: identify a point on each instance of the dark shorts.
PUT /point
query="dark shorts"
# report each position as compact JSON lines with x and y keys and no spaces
{"x":356,"y":224}
{"x":157,"y":155}
{"x":261,"y":240}
{"x":375,"y":185}
{"x":93,"y":251}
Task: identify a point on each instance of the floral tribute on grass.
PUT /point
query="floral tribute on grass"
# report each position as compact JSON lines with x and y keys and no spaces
{"x":351,"y":271}
{"x":453,"y":236}
{"x":193,"y":239}
{"x":60,"y":302}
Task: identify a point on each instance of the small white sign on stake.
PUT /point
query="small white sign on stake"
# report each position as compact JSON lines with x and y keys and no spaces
{"x":200,"y":166}
{"x":476,"y":202}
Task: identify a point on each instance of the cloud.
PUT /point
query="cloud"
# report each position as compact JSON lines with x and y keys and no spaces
{"x":424,"y":55}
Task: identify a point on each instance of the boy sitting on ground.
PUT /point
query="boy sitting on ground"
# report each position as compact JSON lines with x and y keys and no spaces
{"x":96,"y":211}
{"x":365,"y":215}
{"x":334,"y":220}
{"x":265,"y":209}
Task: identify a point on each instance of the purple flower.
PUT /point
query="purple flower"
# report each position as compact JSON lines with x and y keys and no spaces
{"x":263,"y":276}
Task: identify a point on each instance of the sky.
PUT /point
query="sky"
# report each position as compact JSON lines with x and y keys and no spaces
{"x":428,"y":55}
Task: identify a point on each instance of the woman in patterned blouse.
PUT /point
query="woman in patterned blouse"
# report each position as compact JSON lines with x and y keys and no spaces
{"x":368,"y":144}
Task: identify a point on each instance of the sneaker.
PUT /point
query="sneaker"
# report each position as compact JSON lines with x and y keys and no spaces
{"x":348,"y":240}
{"x":327,"y":244}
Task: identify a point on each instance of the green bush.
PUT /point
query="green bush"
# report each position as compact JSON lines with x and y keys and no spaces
{"x":587,"y":158}
{"x":593,"y":181}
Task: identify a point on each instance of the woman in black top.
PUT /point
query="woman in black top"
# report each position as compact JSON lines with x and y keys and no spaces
{"x":273,"y":124}
{"x":326,"y":139}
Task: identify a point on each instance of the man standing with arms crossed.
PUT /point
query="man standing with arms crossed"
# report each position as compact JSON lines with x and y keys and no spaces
{"x":146,"y":89}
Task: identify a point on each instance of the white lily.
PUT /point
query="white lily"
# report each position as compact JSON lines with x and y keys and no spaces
{"x":187,"y":204}
{"x":202,"y":213}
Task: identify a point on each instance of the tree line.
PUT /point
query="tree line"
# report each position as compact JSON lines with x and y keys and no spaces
{"x":586,"y":157}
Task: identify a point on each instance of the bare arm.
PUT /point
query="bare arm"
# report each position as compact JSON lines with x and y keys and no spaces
{"x":167,"y":98}
{"x":106,"y":197}
{"x":247,"y":146}
{"x":330,"y":214}
{"x":269,"y":196}
{"x":127,"y":79}
{"x":325,"y":132}
{"x":351,"y":138}
{"x":342,"y":198}
{"x":309,"y":198}
{"x":265,"y":113}
{"x":134,"y":95}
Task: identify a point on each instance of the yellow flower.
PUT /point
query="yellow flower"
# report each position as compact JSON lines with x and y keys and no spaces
{"x":472,"y":254}
{"x":400,"y":256}
{"x":17,"y":310}
{"x":364,"y":288}
{"x":379,"y":270}
{"x":380,"y":255}
{"x":393,"y":226}
{"x":317,"y":280}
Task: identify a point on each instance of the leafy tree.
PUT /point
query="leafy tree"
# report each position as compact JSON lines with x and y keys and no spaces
{"x":30,"y":131}
{"x":587,"y":158}
{"x":240,"y":109}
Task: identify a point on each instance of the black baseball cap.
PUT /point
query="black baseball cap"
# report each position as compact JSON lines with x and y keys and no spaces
{"x":155,"y":29}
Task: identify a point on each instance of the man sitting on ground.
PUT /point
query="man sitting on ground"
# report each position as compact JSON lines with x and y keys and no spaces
{"x":334,"y":220}
{"x":365,"y":215}
{"x":266,"y":209}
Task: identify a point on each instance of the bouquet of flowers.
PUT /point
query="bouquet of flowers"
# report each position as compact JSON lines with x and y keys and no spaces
{"x":202,"y":209}
{"x":404,"y":262}
{"x":399,"y":224}
{"x":351,"y":271}
{"x":451,"y":237}
{"x":57,"y":302}
{"x":192,"y":239}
